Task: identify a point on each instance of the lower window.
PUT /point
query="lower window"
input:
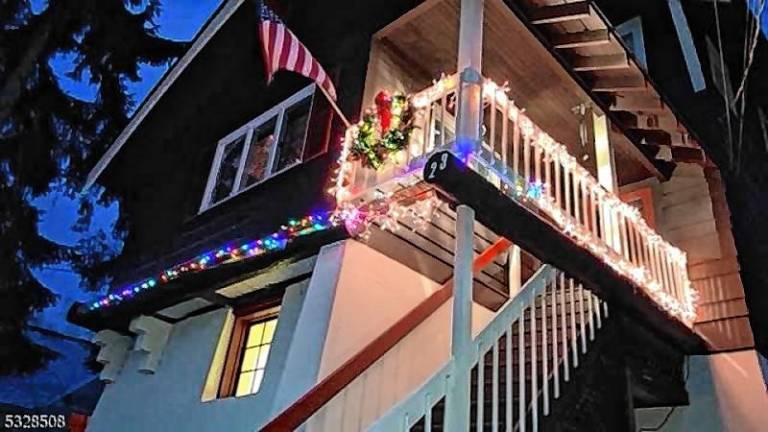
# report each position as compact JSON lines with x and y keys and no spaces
{"x":249,"y":351}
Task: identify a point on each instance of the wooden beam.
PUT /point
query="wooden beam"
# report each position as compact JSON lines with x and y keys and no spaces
{"x":561,"y":13}
{"x":612,"y":61}
{"x":641,"y":103}
{"x":690,"y":155}
{"x":619,"y":84}
{"x":583,"y":39}
{"x":686,"y":154}
{"x":651,"y":136}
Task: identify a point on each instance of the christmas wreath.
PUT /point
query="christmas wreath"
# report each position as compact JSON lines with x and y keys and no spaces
{"x":383,"y":131}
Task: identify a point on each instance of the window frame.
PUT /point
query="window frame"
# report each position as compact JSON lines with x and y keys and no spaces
{"x":634,"y":29}
{"x":277,"y":112}
{"x":244,"y":318}
{"x":645,"y":196}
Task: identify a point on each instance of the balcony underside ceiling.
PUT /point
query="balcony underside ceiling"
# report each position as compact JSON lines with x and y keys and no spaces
{"x":546,"y":81}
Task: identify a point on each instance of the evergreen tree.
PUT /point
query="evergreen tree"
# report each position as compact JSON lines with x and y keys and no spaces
{"x":48,"y":136}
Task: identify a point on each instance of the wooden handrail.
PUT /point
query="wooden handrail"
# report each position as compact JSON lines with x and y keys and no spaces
{"x":301,"y":410}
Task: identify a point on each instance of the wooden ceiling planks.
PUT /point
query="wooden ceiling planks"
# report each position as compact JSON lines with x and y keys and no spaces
{"x":600,"y":63}
{"x":537,"y":80}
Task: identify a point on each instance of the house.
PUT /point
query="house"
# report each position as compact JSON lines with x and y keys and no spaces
{"x":521,"y":230}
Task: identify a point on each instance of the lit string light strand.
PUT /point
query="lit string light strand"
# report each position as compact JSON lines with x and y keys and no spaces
{"x":226,"y":254}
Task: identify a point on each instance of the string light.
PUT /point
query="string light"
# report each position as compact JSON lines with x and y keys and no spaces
{"x":226,"y":254}
{"x":537,"y":194}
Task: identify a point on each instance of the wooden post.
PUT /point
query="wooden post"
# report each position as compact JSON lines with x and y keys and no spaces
{"x":469,"y":119}
{"x":469,"y":65}
{"x":606,"y":166}
{"x":457,"y":400}
{"x":514,"y":270}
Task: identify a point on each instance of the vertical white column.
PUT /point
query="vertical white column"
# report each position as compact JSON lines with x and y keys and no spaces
{"x":514,"y":270}
{"x":467,"y":140}
{"x":457,"y":401}
{"x":606,"y":167}
{"x":469,"y":65}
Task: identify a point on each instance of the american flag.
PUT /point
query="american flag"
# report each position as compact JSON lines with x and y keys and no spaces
{"x":283,"y":50}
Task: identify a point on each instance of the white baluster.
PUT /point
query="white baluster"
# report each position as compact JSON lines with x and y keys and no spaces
{"x":495,"y":388}
{"x":558,"y":180}
{"x":534,"y":372}
{"x":564,"y":323}
{"x":582,"y":322}
{"x":428,"y":413}
{"x":544,"y":353}
{"x":591,"y":315}
{"x":521,"y":371}
{"x":508,"y":404}
{"x":527,"y":158}
{"x":598,"y":314}
{"x":516,"y":147}
{"x":479,"y":407}
{"x":555,"y":359}
{"x":505,"y":136}
{"x":574,"y":339}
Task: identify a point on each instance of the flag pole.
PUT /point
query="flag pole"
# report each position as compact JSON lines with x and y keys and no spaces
{"x":335,"y":107}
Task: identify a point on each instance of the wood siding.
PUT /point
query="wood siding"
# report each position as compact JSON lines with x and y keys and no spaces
{"x":161,"y":172}
{"x":691,"y":213}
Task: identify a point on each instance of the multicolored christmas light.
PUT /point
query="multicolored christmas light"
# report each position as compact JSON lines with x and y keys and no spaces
{"x":226,"y":254}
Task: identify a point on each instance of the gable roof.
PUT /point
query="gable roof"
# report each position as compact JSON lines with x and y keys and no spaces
{"x":209,"y":29}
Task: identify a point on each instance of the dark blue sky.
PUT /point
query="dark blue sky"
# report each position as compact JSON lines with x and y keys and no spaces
{"x":179,"y":20}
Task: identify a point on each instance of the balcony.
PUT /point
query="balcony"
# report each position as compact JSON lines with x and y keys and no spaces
{"x":529,"y":167}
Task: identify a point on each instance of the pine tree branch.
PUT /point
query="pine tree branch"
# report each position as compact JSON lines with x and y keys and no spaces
{"x":12,"y":86}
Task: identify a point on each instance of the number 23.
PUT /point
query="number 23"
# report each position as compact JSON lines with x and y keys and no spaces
{"x":434,"y":166}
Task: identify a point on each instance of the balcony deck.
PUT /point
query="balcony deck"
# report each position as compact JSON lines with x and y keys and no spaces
{"x":529,"y":189}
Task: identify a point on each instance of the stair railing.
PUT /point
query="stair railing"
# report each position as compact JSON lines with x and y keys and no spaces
{"x":528,"y":351}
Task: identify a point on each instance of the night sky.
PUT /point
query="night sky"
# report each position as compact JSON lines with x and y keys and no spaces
{"x":179,"y":20}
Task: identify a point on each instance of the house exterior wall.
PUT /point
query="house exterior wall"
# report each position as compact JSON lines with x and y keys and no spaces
{"x":726,"y":392}
{"x":691,"y":212}
{"x":170,"y":399}
{"x":160,"y":174}
{"x":373,"y":292}
{"x":354,"y":294}
{"x":742,"y":158}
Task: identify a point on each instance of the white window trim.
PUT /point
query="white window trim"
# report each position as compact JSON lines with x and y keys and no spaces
{"x":634,"y":28}
{"x":277,"y":112}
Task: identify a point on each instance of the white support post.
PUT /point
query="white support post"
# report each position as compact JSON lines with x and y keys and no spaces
{"x":514,"y":272}
{"x":469,"y":65}
{"x":469,"y":120}
{"x":604,"y":158}
{"x":457,"y":400}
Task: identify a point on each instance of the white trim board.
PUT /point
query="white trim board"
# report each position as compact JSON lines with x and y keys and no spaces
{"x":686,"y":44}
{"x":221,"y":17}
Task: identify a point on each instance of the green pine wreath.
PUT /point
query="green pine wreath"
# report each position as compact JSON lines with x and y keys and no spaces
{"x":383,"y":131}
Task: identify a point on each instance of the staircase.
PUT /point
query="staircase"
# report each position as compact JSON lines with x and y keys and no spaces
{"x":523,"y":361}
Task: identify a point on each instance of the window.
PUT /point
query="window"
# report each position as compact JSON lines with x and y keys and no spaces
{"x":631,"y":33}
{"x":265,"y":147}
{"x":642,"y":199}
{"x":255,"y":352}
{"x":248,"y":354}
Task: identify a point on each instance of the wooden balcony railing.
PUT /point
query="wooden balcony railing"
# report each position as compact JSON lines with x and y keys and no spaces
{"x":528,"y":165}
